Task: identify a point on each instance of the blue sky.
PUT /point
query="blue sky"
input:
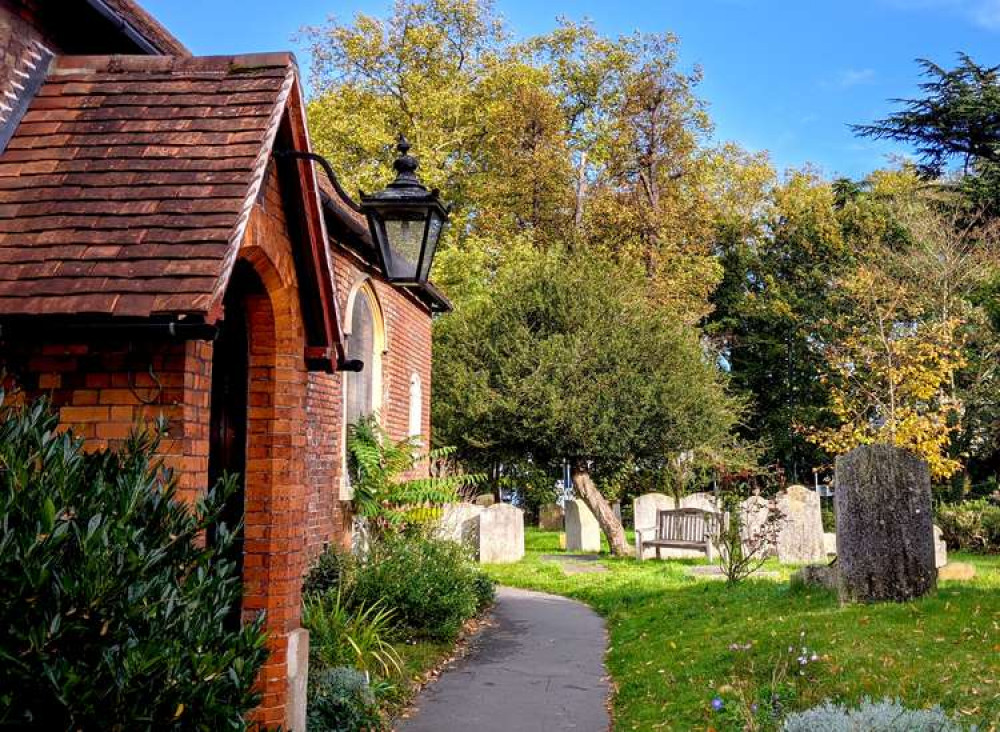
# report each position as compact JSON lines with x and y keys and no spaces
{"x":786,"y":76}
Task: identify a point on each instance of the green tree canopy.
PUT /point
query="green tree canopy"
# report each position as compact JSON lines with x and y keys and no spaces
{"x":569,"y":359}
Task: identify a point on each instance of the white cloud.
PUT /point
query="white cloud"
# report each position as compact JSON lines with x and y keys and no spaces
{"x":855,"y":77}
{"x":984,"y":13}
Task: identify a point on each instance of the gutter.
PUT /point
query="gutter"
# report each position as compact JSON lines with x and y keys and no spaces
{"x":125,"y":27}
{"x":30,"y":330}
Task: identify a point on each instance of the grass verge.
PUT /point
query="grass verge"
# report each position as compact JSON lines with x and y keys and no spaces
{"x":678,"y":643}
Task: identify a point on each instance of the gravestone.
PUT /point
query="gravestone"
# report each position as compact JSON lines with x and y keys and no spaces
{"x":550,"y":517}
{"x":645,"y":508}
{"x":583,"y":534}
{"x":501,"y":534}
{"x":800,"y":536}
{"x":459,"y":522}
{"x":754,"y":512}
{"x":940,"y":549}
{"x":704,"y":501}
{"x":644,"y":511}
{"x":885,"y":531}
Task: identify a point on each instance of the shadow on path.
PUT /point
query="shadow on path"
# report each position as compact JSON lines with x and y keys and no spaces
{"x":540,"y":668}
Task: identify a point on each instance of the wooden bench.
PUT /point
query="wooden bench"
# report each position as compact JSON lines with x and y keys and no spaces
{"x":682,"y":528}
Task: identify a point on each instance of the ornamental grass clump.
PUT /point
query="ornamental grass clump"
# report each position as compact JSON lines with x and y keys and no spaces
{"x":114,"y":614}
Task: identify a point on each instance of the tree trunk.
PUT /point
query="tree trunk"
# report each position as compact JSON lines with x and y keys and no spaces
{"x":885,"y":531}
{"x":584,"y":486}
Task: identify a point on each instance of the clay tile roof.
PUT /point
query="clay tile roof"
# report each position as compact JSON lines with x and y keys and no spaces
{"x":126,"y":188}
{"x":150,"y":29}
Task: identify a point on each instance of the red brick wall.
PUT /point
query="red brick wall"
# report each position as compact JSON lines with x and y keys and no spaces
{"x":408,"y":342}
{"x":295,"y":448}
{"x":104,"y":390}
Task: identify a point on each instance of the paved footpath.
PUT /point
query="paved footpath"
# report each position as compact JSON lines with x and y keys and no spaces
{"x":539,"y":669}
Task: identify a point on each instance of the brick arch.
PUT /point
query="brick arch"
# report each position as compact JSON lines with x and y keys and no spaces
{"x":275,"y":494}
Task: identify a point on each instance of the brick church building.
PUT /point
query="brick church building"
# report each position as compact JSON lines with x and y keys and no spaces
{"x":162,"y":255}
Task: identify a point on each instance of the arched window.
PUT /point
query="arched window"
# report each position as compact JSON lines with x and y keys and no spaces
{"x":365,"y":342}
{"x":415,"y":425}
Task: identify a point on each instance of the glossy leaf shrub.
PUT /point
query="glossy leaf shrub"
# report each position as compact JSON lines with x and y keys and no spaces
{"x":114,"y":615}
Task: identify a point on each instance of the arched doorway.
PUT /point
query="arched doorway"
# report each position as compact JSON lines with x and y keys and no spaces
{"x":228,"y":426}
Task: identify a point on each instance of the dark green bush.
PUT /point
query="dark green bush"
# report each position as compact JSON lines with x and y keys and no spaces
{"x":332,"y":570}
{"x":430,"y":585}
{"x":113,"y":615}
{"x":970,"y":525}
{"x":340,"y":700}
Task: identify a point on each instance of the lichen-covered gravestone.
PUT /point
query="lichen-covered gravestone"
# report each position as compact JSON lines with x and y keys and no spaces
{"x":583,"y":533}
{"x":885,"y":533}
{"x":550,"y":517}
{"x":459,"y":522}
{"x":800,"y":538}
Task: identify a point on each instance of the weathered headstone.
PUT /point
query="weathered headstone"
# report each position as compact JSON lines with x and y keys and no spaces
{"x":816,"y":575}
{"x":484,"y":500}
{"x":800,"y":536}
{"x":940,"y":549}
{"x":501,"y":534}
{"x":459,"y":522}
{"x":754,"y":513}
{"x":583,"y":534}
{"x":644,"y":511}
{"x":550,"y":517}
{"x":704,"y":501}
{"x":885,"y":534}
{"x":645,"y":508}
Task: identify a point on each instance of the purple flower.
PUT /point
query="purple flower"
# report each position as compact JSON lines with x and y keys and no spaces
{"x":717,"y":704}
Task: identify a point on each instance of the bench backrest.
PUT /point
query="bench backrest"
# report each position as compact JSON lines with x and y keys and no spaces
{"x":685,"y":524}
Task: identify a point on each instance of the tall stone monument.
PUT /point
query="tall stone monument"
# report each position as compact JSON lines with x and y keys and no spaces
{"x":583,"y":533}
{"x":885,"y":530}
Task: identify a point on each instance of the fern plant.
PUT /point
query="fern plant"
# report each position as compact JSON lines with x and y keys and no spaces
{"x":377,"y":464}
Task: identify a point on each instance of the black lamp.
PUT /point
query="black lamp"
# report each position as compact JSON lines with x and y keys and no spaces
{"x":406,"y":221}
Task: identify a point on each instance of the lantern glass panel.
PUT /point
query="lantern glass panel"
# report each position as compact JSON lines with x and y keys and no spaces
{"x":434,"y":225}
{"x":405,"y":237}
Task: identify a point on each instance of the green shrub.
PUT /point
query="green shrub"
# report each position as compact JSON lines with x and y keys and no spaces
{"x":429,"y":584}
{"x":970,"y":525}
{"x":113,"y":615}
{"x":340,"y":700}
{"x":333,"y":569}
{"x":340,"y":635}
{"x":486,"y":590}
{"x":883,"y":716}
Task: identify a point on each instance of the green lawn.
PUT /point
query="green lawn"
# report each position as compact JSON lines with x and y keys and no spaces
{"x":671,"y":634}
